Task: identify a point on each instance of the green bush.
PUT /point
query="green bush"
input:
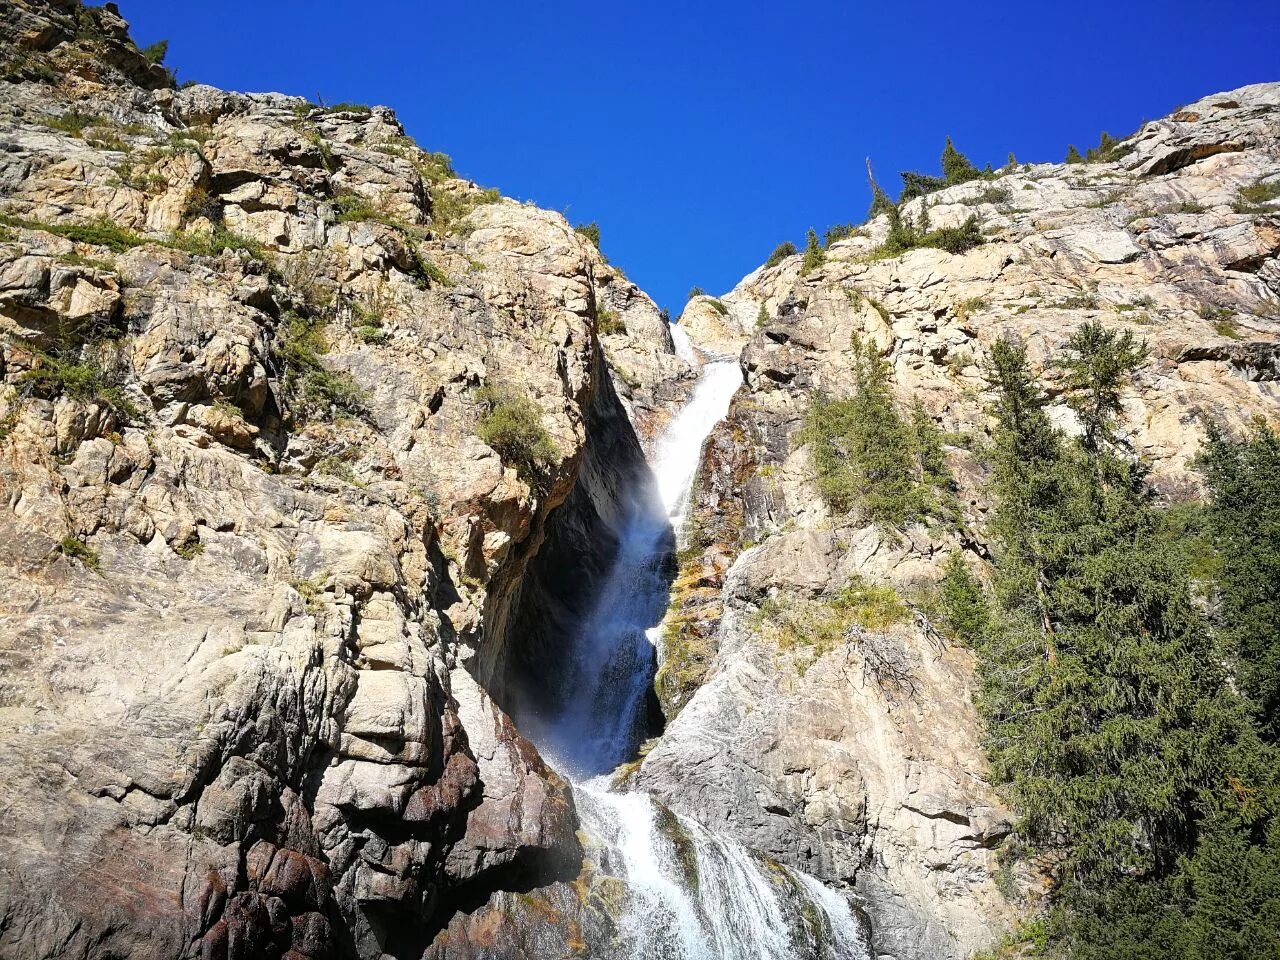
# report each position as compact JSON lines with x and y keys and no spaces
{"x":838,"y":232}
{"x":73,"y":548}
{"x":156,"y":52}
{"x":956,"y":168}
{"x":994,"y":195}
{"x":424,"y":271}
{"x":868,"y":457}
{"x":73,"y":122}
{"x":815,"y":628}
{"x":591,"y":231}
{"x":82,"y":376}
{"x":314,"y":392}
{"x":870,"y":606}
{"x":1108,"y":150}
{"x":434,"y":167}
{"x":449,"y":208}
{"x":346,"y":107}
{"x":513,"y":427}
{"x":353,"y":207}
{"x":609,"y":322}
{"x":696,"y":292}
{"x":919,"y":185}
{"x":1255,"y":197}
{"x":781,"y":252}
{"x":211,"y":244}
{"x":905,"y":234}
{"x":99,"y":233}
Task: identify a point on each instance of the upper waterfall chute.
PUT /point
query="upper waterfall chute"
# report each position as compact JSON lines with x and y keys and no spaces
{"x":684,"y":346}
{"x":678,"y":452}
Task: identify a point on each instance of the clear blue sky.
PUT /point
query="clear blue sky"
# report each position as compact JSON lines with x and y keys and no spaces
{"x":699,"y":135}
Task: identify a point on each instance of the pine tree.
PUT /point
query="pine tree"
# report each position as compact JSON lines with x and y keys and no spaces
{"x":1243,"y":476}
{"x":1098,"y":364}
{"x":868,"y":457}
{"x":1105,"y":694}
{"x":965,"y":610}
{"x":880,"y":202}
{"x":1073,"y":155}
{"x":956,"y":167}
{"x":1094,"y":681}
{"x":813,"y":253}
{"x":781,"y":252}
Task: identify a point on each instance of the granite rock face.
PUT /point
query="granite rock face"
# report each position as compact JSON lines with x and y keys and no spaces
{"x":862,"y":762}
{"x":258,"y":568}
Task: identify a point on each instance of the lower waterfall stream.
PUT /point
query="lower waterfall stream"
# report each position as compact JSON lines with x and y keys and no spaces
{"x":693,"y":894}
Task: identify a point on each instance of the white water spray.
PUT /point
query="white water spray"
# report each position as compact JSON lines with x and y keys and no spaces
{"x":696,"y":895}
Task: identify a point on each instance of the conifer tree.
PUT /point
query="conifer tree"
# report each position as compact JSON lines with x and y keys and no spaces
{"x":1098,"y":364}
{"x":813,"y":253}
{"x":965,"y":610}
{"x":880,"y":202}
{"x":956,"y":167}
{"x":1100,"y":679}
{"x":1243,"y":476}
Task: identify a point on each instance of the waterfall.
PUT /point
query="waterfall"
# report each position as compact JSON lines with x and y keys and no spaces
{"x":696,"y":895}
{"x":692,"y":894}
{"x":684,"y":348}
{"x":613,"y":656}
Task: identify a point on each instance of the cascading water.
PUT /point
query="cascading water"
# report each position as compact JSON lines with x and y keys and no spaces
{"x":693,"y":895}
{"x":611,"y":671}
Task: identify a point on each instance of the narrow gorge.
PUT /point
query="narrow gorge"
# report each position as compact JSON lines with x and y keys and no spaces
{"x":384,"y":575}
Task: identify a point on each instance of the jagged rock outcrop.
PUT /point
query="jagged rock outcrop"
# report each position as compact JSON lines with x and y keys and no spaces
{"x":861,"y":761}
{"x":254,"y":552}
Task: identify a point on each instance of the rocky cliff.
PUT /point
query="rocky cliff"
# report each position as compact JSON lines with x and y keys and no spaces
{"x":860,"y":760}
{"x":311,"y":454}
{"x":286,"y":408}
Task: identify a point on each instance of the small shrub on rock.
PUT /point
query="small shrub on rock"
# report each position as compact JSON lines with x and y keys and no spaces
{"x":513,"y":427}
{"x":73,"y":548}
{"x":609,"y":322}
{"x":315,"y":392}
{"x":781,"y":252}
